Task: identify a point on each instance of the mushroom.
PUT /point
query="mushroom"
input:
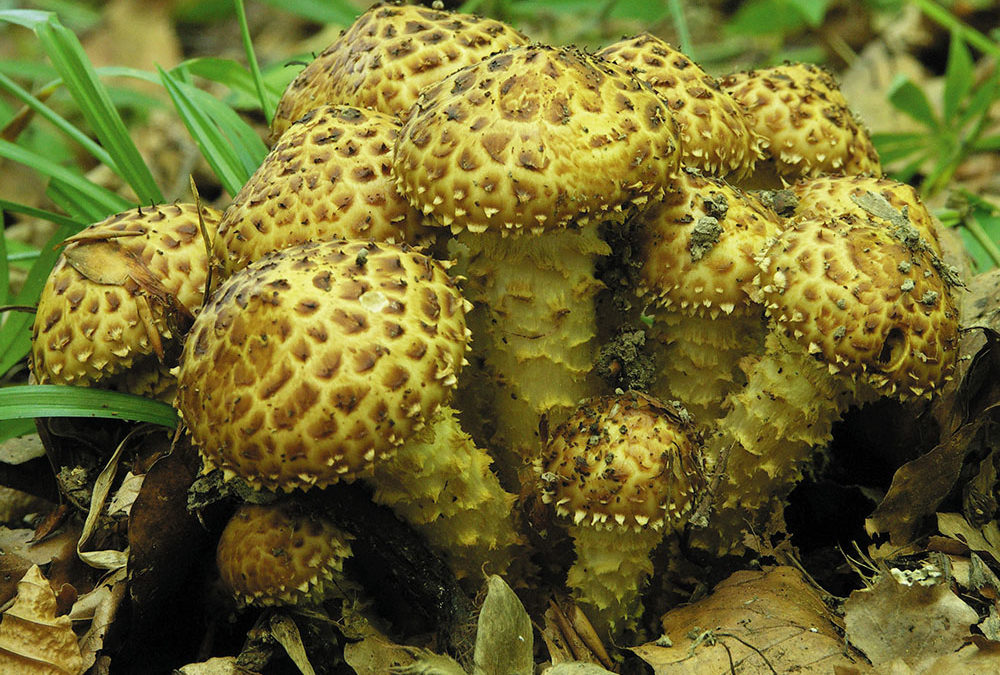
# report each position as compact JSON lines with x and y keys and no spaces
{"x":698,"y":251}
{"x":328,"y":177}
{"x":282,"y":554}
{"x":856,"y":313}
{"x":838,"y":197}
{"x":714,"y":131}
{"x":116,"y":304}
{"x":320,"y":362}
{"x":805,"y":120}
{"x":523,"y":156}
{"x":625,"y":470}
{"x":388,"y":56}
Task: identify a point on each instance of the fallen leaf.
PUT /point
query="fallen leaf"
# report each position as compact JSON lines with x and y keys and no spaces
{"x":914,"y":624}
{"x":981,"y":539}
{"x":33,"y":640}
{"x":225,"y":665}
{"x":504,"y":637}
{"x":756,"y":622}
{"x":287,"y":634}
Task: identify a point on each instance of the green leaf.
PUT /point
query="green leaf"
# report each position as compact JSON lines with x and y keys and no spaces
{"x":987,"y":144}
{"x":50,"y":400}
{"x":92,"y":97}
{"x":910,"y":99}
{"x":4,"y":267}
{"x":228,"y":144}
{"x":268,"y":103}
{"x":958,"y":77}
{"x":766,"y":17}
{"x":893,"y":147}
{"x":339,"y":12}
{"x":13,"y":428}
{"x":813,"y":11}
{"x":41,"y":214}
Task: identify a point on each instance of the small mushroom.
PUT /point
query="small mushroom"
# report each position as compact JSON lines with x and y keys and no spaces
{"x":523,"y":156}
{"x":283,"y":554}
{"x":808,"y":128}
{"x":119,"y":299}
{"x":714,"y":131}
{"x":625,"y":470}
{"x":855,"y":314}
{"x":328,"y":177}
{"x":334,"y":361}
{"x":699,"y":249}
{"x":388,"y":56}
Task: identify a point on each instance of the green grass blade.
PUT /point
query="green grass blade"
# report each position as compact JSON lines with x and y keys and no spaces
{"x":111,"y":202}
{"x":228,"y":144}
{"x":339,"y":12}
{"x":15,"y":333}
{"x":13,"y":428}
{"x":958,"y":77}
{"x":267,"y":103}
{"x":99,"y":153}
{"x":49,"y":400}
{"x":910,"y":99}
{"x":4,"y":267}
{"x":42,"y":214}
{"x":91,"y":96}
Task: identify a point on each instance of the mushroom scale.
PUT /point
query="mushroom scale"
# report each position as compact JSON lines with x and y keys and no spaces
{"x":699,"y":249}
{"x":855,"y":315}
{"x":388,"y":56}
{"x":281,"y":554}
{"x":714,"y":131}
{"x":805,"y":120}
{"x":329,"y":176}
{"x":118,"y":299}
{"x":625,"y":470}
{"x":523,"y":155}
{"x":332,"y":361}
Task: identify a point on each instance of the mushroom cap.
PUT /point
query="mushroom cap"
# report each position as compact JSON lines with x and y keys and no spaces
{"x":535,"y":137}
{"x":281,"y":554}
{"x":862,"y":301}
{"x":699,"y":245}
{"x":310,"y":364}
{"x":714,"y":131}
{"x":120,"y":294}
{"x":387,"y":56}
{"x":833,"y":197}
{"x":804,"y":118}
{"x":622,"y":461}
{"x":329,"y":176}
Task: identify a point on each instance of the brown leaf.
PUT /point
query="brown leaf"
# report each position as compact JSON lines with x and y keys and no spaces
{"x":756,"y":622}
{"x":33,"y":640}
{"x":913,"y":624}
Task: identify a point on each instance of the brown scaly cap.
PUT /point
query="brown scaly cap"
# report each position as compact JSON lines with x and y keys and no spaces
{"x":313,"y":362}
{"x":836,"y":198}
{"x":864,"y":302}
{"x":536,"y":138}
{"x":329,"y":177}
{"x":699,"y":245}
{"x":119,"y":296}
{"x":622,"y":461}
{"x":714,"y":130}
{"x":809,"y":128}
{"x":387,"y":56}
{"x":280,"y":554}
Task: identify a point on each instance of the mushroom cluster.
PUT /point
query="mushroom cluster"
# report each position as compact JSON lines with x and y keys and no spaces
{"x":438,"y":213}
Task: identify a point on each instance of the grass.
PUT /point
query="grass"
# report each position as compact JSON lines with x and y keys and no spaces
{"x":952,"y":129}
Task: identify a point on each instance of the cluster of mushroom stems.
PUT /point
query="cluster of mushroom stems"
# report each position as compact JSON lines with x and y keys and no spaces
{"x":431,"y":219}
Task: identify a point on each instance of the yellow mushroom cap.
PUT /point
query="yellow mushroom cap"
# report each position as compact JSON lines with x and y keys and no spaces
{"x":118,"y":297}
{"x":699,"y":245}
{"x":387,"y":56}
{"x":329,"y":177}
{"x":622,"y":461}
{"x":809,"y":128}
{"x":280,"y":554}
{"x":714,"y":131}
{"x":535,"y":137}
{"x":862,"y":301}
{"x":833,"y":197}
{"x":310,"y":364}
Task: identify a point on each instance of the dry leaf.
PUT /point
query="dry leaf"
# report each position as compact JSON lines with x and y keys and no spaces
{"x":913,"y":624}
{"x":225,"y":665}
{"x":760,"y":622}
{"x":503,"y":637}
{"x":287,"y":634}
{"x":985,"y":538}
{"x":33,"y":640}
{"x":100,"y":607}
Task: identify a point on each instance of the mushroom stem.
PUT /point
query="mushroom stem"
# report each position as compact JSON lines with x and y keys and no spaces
{"x":534,"y":298}
{"x":610,"y":569}
{"x":786,"y":409}
{"x":698,"y":358}
{"x":440,"y":482}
